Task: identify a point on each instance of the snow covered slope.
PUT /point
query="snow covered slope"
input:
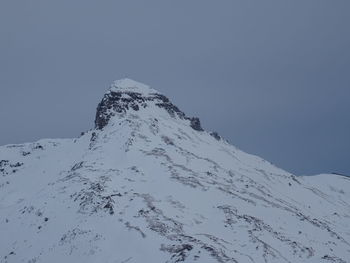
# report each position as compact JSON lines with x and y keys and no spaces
{"x":149,"y":185}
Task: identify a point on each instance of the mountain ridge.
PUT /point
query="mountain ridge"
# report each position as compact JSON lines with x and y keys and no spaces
{"x":146,"y":186}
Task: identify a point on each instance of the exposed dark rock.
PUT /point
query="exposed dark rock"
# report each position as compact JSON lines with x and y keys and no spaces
{"x":167,"y":140}
{"x":38,"y":147}
{"x":138,"y":229}
{"x":178,"y":252}
{"x":116,"y":102}
{"x":196,"y":124}
{"x":167,"y":105}
{"x":109,"y":207}
{"x":77,"y":166}
{"x":3,"y":163}
{"x":18,"y":164}
{"x":216,"y":135}
{"x":7,"y":168}
{"x":120,"y":102}
{"x":333,"y":259}
{"x":93,"y":137}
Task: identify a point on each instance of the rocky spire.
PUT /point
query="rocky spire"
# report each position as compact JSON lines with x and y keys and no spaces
{"x":128,"y":95}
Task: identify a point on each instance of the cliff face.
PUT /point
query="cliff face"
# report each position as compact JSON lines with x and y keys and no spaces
{"x":126,"y":94}
{"x":149,"y":185}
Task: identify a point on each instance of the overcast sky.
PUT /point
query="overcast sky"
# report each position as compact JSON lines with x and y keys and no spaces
{"x":273,"y":77}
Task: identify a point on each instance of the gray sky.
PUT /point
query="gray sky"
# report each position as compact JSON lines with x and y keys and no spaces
{"x":273,"y":77}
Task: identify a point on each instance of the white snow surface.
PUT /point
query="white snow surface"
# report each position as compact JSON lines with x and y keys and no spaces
{"x":149,"y":188}
{"x":130,"y":85}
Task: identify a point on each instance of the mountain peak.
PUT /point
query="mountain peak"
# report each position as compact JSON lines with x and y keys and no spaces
{"x":129,"y":85}
{"x":129,"y":96}
{"x":147,"y":186}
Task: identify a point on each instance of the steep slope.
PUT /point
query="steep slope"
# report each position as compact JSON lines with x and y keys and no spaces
{"x":149,"y":185}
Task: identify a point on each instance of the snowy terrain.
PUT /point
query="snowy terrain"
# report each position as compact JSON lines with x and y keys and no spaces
{"x":148,"y":184}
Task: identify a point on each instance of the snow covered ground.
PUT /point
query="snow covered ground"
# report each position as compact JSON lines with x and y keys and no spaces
{"x":149,"y":185}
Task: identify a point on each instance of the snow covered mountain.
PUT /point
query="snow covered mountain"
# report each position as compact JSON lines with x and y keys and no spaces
{"x":148,"y":184}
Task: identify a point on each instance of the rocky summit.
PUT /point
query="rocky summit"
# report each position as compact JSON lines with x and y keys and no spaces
{"x":148,"y":184}
{"x":127,"y":94}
